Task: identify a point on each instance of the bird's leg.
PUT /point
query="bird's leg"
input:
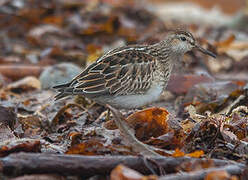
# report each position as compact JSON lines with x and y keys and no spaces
{"x":108,"y":115}
{"x":104,"y":116}
{"x":91,"y":105}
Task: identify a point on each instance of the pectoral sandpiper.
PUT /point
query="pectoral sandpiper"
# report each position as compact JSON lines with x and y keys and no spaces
{"x":131,"y":76}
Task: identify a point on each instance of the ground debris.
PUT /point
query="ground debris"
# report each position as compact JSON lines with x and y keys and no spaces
{"x":201,"y":119}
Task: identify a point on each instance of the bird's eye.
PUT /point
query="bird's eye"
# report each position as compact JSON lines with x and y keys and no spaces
{"x":183,"y":38}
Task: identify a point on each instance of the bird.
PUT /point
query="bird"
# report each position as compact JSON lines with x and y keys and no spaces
{"x":132,"y":76}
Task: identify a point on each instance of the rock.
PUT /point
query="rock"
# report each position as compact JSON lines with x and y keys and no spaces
{"x":58,"y":74}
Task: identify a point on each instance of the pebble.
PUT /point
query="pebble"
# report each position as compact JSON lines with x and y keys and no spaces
{"x":58,"y":74}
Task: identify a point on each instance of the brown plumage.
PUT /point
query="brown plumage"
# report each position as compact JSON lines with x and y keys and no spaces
{"x":131,"y":76}
{"x":113,"y":75}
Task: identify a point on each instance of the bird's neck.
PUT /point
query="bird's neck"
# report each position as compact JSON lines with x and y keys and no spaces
{"x":164,"y":52}
{"x":167,"y":58}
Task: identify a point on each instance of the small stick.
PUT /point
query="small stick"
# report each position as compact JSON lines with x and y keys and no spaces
{"x":201,"y":174}
{"x":16,"y":72}
{"x":129,"y":135}
{"x":86,"y":166}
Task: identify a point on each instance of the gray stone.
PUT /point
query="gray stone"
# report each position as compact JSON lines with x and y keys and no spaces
{"x":58,"y":74}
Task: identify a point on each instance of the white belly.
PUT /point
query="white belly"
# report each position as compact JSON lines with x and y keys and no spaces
{"x":133,"y":101}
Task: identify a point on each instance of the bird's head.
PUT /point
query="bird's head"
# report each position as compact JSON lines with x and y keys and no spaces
{"x":181,"y":42}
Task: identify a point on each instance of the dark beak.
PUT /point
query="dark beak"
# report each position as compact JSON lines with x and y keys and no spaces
{"x":205,"y":51}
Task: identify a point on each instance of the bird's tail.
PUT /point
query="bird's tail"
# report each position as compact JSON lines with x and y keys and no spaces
{"x":64,"y":91}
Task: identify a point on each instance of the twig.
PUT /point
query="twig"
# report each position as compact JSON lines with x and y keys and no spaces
{"x":129,"y":136}
{"x":86,"y":166}
{"x":199,"y":175}
{"x":229,"y":109}
{"x":15,"y":72}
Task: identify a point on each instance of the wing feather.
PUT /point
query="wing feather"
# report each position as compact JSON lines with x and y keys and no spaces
{"x":117,"y":73}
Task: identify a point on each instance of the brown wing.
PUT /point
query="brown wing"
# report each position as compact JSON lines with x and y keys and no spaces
{"x":121,"y":73}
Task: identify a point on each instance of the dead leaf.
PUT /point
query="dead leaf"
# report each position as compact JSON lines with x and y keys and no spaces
{"x":196,"y":154}
{"x":151,"y":122}
{"x":36,"y":35}
{"x":235,"y":49}
{"x":7,"y":117}
{"x":94,"y":56}
{"x":5,"y":133}
{"x":24,"y":85}
{"x":109,"y":26}
{"x":56,"y":20}
{"x":202,"y":136}
{"x":219,"y":175}
{"x":88,"y":148}
{"x":223,"y":45}
{"x":96,"y":147}
{"x":169,"y":141}
{"x":65,"y":113}
{"x":178,"y":153}
{"x":228,"y":136}
{"x":187,"y":125}
{"x":40,"y":177}
{"x":75,"y":138}
{"x":211,"y":97}
{"x":28,"y":146}
{"x":122,"y":172}
{"x":29,"y":121}
{"x":92,"y":48}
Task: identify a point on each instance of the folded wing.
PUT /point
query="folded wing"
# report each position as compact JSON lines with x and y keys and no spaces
{"x":120,"y":73}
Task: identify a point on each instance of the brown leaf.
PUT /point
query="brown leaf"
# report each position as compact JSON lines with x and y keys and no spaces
{"x":178,"y":153}
{"x":237,"y":125}
{"x":88,"y":148}
{"x":109,"y":26}
{"x":235,"y":49}
{"x":64,"y":114}
{"x":187,"y":125}
{"x":202,"y":136}
{"x":151,"y":122}
{"x":96,"y":147}
{"x":170,"y":140}
{"x":228,"y":136}
{"x":45,"y":34}
{"x":24,"y":85}
{"x":29,"y":121}
{"x":56,"y":20}
{"x":7,"y":117}
{"x":122,"y":172}
{"x":92,"y":48}
{"x":211,"y":96}
{"x":196,"y":154}
{"x":190,"y":166}
{"x":75,"y":137}
{"x":40,"y":177}
{"x":5,"y":133}
{"x":219,"y":175}
{"x":28,"y":146}
{"x":221,"y":45}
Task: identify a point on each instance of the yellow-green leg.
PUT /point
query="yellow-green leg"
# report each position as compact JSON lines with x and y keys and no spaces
{"x":108,"y":115}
